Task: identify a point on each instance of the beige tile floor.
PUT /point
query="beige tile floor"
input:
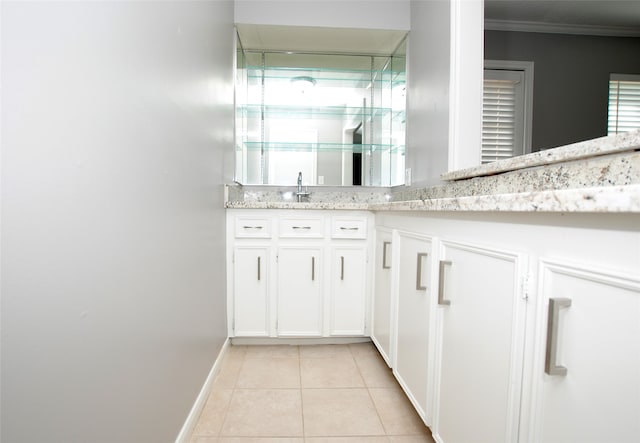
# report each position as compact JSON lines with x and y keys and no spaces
{"x":307,"y":394}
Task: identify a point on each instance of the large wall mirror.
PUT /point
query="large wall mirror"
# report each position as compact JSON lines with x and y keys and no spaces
{"x":337,"y":118}
{"x":572,"y":50}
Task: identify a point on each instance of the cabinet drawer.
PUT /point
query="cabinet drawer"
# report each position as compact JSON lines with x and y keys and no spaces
{"x":252,"y":227}
{"x":305,"y":227}
{"x":348,"y":227}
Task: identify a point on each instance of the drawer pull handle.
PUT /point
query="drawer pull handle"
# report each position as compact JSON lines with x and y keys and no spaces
{"x":343,"y":228}
{"x":419,"y":285}
{"x":441,"y":300}
{"x":301,"y":227}
{"x":385,"y":264}
{"x":258,"y":268}
{"x":313,"y":268}
{"x":550,"y":365}
{"x":341,"y":268}
{"x":252,"y":227}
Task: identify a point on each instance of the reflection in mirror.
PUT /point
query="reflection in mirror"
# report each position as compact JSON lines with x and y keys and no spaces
{"x":572,"y":48}
{"x":339,"y":119}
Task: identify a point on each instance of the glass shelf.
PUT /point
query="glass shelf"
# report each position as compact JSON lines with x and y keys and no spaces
{"x":284,"y":111}
{"x":338,"y":117}
{"x":326,"y":77}
{"x":321,"y":73}
{"x":323,"y":147}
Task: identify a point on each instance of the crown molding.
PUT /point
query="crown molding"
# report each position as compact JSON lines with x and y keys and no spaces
{"x":559,"y":28}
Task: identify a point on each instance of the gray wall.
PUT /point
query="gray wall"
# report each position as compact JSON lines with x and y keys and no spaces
{"x":117,"y":123}
{"x":571,"y":75}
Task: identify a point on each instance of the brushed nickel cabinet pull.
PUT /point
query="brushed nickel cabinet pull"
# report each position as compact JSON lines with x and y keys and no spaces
{"x":551,"y":366}
{"x":343,"y":228}
{"x":251,"y":227}
{"x":259,"y":268}
{"x":313,"y":268}
{"x":341,"y":268}
{"x":301,"y":227}
{"x":419,"y":285}
{"x":441,"y":300}
{"x":385,"y":245}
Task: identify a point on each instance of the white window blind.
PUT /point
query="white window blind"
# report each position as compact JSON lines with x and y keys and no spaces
{"x":624,"y":103}
{"x":502,"y":115}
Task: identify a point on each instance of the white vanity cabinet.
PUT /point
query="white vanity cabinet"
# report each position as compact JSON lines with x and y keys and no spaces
{"x":347,"y":294}
{"x":480,"y":335}
{"x":348,"y":290}
{"x":299,"y":262}
{"x":299,"y":293}
{"x":586,"y":382}
{"x":251,"y":282}
{"x":458,"y":329}
{"x":381,"y":329}
{"x":298,"y":273}
{"x":251,"y":276}
{"x":536,"y":336}
{"x":348,"y":285}
{"x":413,"y":322}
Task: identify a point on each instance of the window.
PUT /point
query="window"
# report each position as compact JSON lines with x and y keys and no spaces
{"x":506,"y":109}
{"x":624,"y":103}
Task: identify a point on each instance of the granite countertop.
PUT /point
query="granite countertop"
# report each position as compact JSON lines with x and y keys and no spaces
{"x":282,"y":197}
{"x":628,"y":141}
{"x":351,"y":206}
{"x":618,"y":199}
{"x":600,"y":175}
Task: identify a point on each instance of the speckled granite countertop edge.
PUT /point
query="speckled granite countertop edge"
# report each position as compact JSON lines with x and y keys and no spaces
{"x":347,"y":206}
{"x":611,"y":199}
{"x":618,"y":143}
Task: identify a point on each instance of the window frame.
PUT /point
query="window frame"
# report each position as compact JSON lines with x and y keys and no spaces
{"x":615,"y":77}
{"x":527,"y":68}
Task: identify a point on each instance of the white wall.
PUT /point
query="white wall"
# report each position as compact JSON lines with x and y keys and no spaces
{"x":428,"y":91}
{"x":115,"y":118}
{"x":372,"y":14}
{"x":444,"y":80}
{"x":467,"y":72}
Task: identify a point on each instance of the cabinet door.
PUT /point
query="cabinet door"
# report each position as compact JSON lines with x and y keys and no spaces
{"x":481,"y":337}
{"x":381,"y":333}
{"x":587,"y":377}
{"x":413,"y":324}
{"x":251,"y":291}
{"x":348,"y":268}
{"x":300,"y":291}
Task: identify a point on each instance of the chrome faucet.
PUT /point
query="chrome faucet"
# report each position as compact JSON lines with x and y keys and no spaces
{"x":299,"y":192}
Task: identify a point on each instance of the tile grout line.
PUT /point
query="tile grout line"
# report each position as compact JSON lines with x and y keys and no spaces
{"x":233,"y":392}
{"x":304,"y":438}
{"x":301,"y":399}
{"x":386,"y":434}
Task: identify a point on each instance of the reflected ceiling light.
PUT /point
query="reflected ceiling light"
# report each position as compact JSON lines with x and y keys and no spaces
{"x":303,"y":84}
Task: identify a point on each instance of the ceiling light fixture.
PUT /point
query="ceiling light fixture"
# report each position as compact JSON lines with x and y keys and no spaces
{"x":303,"y":84}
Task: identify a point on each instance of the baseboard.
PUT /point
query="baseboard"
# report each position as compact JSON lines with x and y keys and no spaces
{"x":298,"y":341}
{"x":196,"y":409}
{"x":385,"y":357}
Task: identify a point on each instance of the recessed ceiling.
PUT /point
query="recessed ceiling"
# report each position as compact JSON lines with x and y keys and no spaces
{"x":318,"y":39}
{"x":598,"y":17}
